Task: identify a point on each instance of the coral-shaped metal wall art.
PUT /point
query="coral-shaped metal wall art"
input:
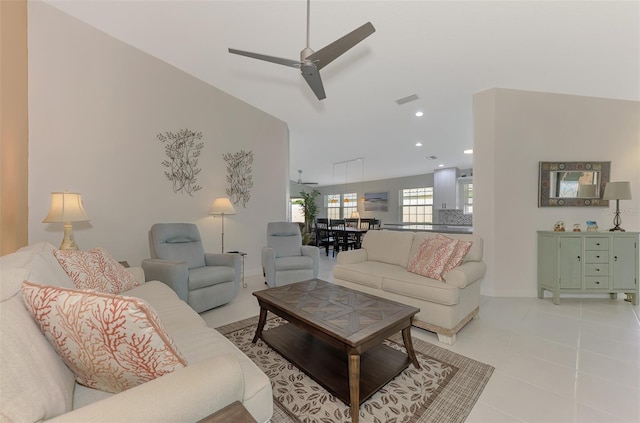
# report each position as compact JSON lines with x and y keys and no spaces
{"x":182,"y":149}
{"x":239,"y":176}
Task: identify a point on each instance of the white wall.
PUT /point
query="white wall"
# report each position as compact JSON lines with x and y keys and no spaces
{"x":96,"y":106}
{"x":514,"y":130}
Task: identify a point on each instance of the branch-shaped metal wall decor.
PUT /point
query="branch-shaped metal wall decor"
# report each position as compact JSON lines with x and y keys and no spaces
{"x":182,"y":150}
{"x":239,"y":176}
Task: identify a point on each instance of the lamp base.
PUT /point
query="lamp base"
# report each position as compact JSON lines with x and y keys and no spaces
{"x":617,"y":229}
{"x":68,"y":243}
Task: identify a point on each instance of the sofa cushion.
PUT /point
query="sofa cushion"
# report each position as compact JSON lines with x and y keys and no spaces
{"x":367,"y":273}
{"x":388,"y":246}
{"x":294,"y":263}
{"x":432,"y":257}
{"x":110,"y":342}
{"x":458,"y":255}
{"x":409,"y":284}
{"x":201,"y":277}
{"x":35,"y":384}
{"x":95,"y":269}
{"x":42,"y":266}
{"x":474,"y":254}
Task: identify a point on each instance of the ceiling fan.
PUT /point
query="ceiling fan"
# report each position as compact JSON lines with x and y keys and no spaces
{"x":311,"y":62}
{"x":299,"y":181}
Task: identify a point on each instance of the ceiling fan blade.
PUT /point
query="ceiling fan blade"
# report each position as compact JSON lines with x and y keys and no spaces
{"x":272,"y":59}
{"x":329,"y":53}
{"x":312,"y":76}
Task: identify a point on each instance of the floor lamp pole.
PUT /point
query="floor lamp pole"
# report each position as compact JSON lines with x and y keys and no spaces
{"x":222,"y":216}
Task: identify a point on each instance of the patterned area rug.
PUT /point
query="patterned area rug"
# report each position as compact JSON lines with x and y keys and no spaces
{"x":444,"y":389}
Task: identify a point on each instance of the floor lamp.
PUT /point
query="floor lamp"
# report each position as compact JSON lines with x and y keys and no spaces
{"x":66,"y":207}
{"x":222,"y":206}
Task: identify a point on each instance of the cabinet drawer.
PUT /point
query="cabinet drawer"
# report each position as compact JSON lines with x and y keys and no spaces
{"x":596,"y":282}
{"x":596,"y":256}
{"x":596,"y":269}
{"x":596,"y":243}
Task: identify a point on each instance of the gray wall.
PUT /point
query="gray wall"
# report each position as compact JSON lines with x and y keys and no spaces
{"x":96,"y":106}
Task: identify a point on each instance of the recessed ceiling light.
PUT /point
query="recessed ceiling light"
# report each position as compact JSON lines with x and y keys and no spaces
{"x":418,"y":144}
{"x":468,"y":151}
{"x":419,"y":114}
{"x":440,"y":165}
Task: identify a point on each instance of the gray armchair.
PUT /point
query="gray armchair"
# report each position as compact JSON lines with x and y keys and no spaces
{"x":203,"y":280}
{"x":285,"y":260}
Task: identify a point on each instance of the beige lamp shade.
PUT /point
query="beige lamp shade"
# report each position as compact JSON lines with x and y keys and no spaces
{"x":617,"y":191}
{"x":222,"y":205}
{"x":66,"y":207}
{"x":355,"y":215}
{"x":587,"y":191}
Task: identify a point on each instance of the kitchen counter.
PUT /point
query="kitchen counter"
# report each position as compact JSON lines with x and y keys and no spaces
{"x":429,"y":227}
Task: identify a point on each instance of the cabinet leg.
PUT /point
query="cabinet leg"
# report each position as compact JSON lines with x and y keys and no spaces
{"x":631,"y":297}
{"x":613,"y":295}
{"x":556,"y":297}
{"x":540,"y":292}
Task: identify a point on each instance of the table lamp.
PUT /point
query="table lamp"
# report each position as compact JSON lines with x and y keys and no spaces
{"x":66,"y":207}
{"x":617,"y":191}
{"x":222,"y":206}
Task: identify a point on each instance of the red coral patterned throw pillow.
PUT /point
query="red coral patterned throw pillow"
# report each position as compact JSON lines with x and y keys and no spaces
{"x":432,"y":257}
{"x":110,"y":342}
{"x":95,"y":269}
{"x":456,"y":259}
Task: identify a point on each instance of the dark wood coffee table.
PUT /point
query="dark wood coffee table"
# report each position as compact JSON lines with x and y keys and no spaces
{"x":335,"y":336}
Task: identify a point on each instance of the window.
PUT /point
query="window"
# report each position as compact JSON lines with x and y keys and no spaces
{"x":340,"y":206}
{"x":467,"y":198}
{"x":297,"y":211}
{"x":417,"y":205}
{"x":350,"y":204}
{"x":333,"y":206}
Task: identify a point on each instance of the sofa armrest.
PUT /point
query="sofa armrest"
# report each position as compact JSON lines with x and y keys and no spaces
{"x":173,"y":273}
{"x":138,"y":273}
{"x":352,"y":256}
{"x":231,"y":260}
{"x":466,"y":274}
{"x":269,"y":265}
{"x":313,"y":252}
{"x":186,"y":395}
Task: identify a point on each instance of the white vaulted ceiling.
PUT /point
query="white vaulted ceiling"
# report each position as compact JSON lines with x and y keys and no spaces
{"x":443,"y":51}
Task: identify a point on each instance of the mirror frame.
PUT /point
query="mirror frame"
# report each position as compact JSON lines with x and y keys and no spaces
{"x":544,"y":184}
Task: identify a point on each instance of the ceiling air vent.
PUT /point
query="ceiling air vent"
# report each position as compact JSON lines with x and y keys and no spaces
{"x":431,"y":158}
{"x":404,"y":100}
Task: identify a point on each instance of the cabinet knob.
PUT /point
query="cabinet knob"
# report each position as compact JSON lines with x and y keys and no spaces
{"x":597,"y":282}
{"x":597,"y":256}
{"x":597,"y":270}
{"x":578,"y":258}
{"x":615,"y":258}
{"x":597,"y":243}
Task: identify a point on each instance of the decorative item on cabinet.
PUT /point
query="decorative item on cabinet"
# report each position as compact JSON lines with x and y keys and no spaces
{"x":588,"y":263}
{"x":558,"y":226}
{"x":592,"y":226}
{"x":576,"y":227}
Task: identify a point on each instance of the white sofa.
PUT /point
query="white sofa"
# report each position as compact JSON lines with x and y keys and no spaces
{"x":36,"y":386}
{"x":380,"y":268}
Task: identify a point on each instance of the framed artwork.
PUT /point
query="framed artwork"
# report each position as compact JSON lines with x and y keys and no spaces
{"x":376,"y":201}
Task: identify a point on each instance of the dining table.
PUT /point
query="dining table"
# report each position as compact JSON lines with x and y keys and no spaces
{"x":342,"y":235}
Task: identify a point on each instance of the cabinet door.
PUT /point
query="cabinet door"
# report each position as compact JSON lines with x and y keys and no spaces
{"x":625,"y":254}
{"x":570,"y":263}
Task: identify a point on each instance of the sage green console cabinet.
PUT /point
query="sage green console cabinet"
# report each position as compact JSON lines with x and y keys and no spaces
{"x":588,"y":263}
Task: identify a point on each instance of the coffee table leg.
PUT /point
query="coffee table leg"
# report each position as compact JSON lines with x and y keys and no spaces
{"x":261,"y":322}
{"x":408,"y":345}
{"x":354,"y":386}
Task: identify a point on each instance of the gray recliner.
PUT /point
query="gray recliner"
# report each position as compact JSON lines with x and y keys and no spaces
{"x":203,"y":280}
{"x":285,"y":260}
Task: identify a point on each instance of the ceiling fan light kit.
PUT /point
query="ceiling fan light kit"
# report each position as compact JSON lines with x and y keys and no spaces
{"x":311,"y":62}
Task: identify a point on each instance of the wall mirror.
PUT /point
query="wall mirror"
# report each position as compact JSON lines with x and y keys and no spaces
{"x":580,"y":184}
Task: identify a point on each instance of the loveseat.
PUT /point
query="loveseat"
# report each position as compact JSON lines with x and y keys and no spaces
{"x":35,"y":384}
{"x":380,"y":268}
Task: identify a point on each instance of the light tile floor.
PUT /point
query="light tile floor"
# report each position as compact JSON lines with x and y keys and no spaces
{"x":571,"y":363}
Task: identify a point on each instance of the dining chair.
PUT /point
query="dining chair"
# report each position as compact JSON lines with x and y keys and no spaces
{"x":324,"y":237}
{"x":342,"y":239}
